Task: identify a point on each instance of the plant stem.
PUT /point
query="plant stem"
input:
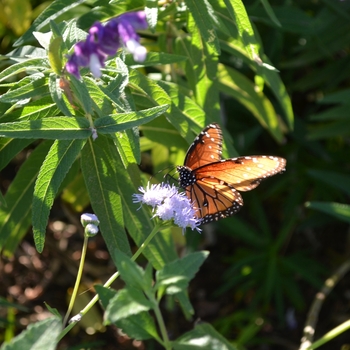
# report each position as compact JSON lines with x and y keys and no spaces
{"x":312,"y":318}
{"x":77,"y":281}
{"x":163,"y":331}
{"x":93,"y":301}
{"x":156,"y":229}
{"x":330,"y":335}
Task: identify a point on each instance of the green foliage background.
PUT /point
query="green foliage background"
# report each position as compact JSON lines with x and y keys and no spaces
{"x":274,"y":74}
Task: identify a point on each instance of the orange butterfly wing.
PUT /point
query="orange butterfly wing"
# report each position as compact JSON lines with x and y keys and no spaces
{"x":243,"y":173}
{"x":212,"y":184}
{"x":206,"y":147}
{"x":213,"y":200}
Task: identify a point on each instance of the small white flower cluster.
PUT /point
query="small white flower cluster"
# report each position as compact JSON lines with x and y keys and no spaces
{"x":169,"y":204}
{"x":90,"y":223}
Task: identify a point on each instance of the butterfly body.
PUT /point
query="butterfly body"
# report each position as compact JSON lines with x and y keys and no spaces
{"x":212,"y":183}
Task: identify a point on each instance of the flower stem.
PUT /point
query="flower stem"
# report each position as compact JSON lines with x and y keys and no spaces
{"x":163,"y":331}
{"x":93,"y":301}
{"x":156,"y":229}
{"x":330,"y":335}
{"x":77,"y":281}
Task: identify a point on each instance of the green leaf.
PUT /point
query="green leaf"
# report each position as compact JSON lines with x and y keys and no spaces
{"x":331,"y":114}
{"x":15,"y":219}
{"x":128,"y":301}
{"x":270,"y":13}
{"x":204,"y":17}
{"x":337,"y":210}
{"x":177,"y":101}
{"x":329,"y":130}
{"x":4,"y":303}
{"x":274,"y":81}
{"x":179,"y":272}
{"x":2,"y":201}
{"x":60,"y":128}
{"x":201,"y":70}
{"x":292,"y":291}
{"x":36,"y":88}
{"x":57,"y":95}
{"x":337,"y":180}
{"x":185,"y":303}
{"x":151,"y":11}
{"x":52,"y":172}
{"x":184,"y":113}
{"x":237,"y":85}
{"x":138,"y":220}
{"x":9,"y":148}
{"x":81,"y":93}
{"x":43,"y":40}
{"x":239,"y":14}
{"x":72,"y":34}
{"x":203,"y":336}
{"x":100,"y":173}
{"x":105,"y":294}
{"x":326,"y":25}
{"x":55,"y":9}
{"x":271,"y":77}
{"x":296,"y":264}
{"x":117,"y":86}
{"x":132,"y":274}
{"x":245,"y":232}
{"x":54,"y":311}
{"x":271,"y":279}
{"x":155,"y":59}
{"x":128,"y":146}
{"x":251,"y":327}
{"x":76,"y":194}
{"x":42,"y":335}
{"x":123,"y":121}
{"x":106,"y":97}
{"x":186,"y":116}
{"x":24,"y":66}
{"x":38,"y":109}
{"x":55,"y":55}
{"x":140,"y":326}
{"x":336,"y":97}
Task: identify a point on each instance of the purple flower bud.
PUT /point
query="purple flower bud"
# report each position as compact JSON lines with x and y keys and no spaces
{"x":106,"y":38}
{"x":139,"y":52}
{"x":136,"y":19}
{"x":72,"y":66}
{"x":103,"y":41}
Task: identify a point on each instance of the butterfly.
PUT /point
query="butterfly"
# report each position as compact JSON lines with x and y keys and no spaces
{"x":212,"y":183}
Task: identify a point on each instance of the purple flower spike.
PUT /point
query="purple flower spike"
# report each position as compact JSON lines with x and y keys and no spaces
{"x":103,"y":41}
{"x":127,"y":24}
{"x":136,"y":19}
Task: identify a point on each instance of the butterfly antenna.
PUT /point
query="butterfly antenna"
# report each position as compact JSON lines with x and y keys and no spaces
{"x":167,"y":175}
